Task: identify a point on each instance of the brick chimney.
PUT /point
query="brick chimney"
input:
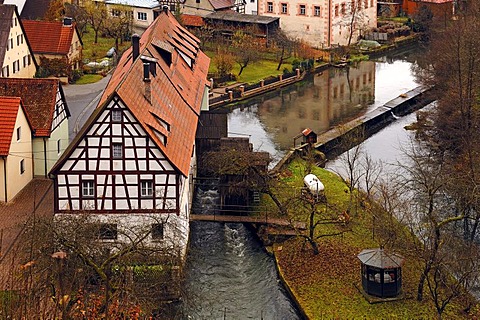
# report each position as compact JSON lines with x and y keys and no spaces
{"x":146,"y":80}
{"x":67,"y":22}
{"x":135,"y":46}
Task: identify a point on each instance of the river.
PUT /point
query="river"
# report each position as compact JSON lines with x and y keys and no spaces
{"x":229,"y":275}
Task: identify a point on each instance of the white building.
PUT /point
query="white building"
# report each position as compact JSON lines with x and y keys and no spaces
{"x":322,"y":23}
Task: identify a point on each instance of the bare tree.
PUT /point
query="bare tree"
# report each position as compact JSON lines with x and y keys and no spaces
{"x":245,"y":48}
{"x":82,"y":266}
{"x":96,"y":14}
{"x":285,"y":47}
{"x":119,"y":23}
{"x":354,"y":18}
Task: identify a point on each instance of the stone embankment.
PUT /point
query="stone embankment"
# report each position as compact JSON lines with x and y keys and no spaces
{"x":239,"y":92}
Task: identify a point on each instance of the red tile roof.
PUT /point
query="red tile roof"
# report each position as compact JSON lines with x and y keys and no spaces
{"x":222,"y":4}
{"x":177,"y":89}
{"x":8,"y":115}
{"x":49,"y":37}
{"x":39,"y":97}
{"x":192,"y":21}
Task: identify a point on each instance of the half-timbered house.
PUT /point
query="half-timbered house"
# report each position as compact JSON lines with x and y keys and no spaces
{"x":47,"y":111}
{"x":132,"y":163}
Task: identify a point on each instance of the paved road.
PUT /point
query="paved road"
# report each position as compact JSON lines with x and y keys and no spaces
{"x":82,"y":100}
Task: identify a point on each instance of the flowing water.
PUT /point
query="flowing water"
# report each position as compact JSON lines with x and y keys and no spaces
{"x":229,"y":275}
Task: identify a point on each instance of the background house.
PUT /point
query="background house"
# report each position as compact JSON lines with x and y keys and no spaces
{"x":205,"y":7}
{"x":16,"y":55}
{"x":143,"y":11}
{"x":132,"y":163}
{"x":324,"y":23}
{"x":55,"y":40}
{"x":46,"y":109}
{"x":16,"y":166}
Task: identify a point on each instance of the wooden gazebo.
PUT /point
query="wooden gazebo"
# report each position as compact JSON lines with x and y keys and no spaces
{"x":381,"y":272}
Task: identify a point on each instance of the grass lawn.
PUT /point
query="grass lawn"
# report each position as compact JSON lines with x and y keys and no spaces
{"x":89,"y":78}
{"x":255,"y":72}
{"x":324,"y":284}
{"x":96,"y":51}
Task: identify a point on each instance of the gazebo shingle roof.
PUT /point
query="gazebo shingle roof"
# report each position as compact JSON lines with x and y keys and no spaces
{"x":378,"y":258}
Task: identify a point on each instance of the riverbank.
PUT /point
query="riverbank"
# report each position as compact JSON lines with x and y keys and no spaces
{"x":237,"y":92}
{"x":327,"y":285}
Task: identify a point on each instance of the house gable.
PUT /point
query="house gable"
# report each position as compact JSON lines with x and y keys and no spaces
{"x":16,"y":56}
{"x":16,"y":148}
{"x":43,"y":100}
{"x":118,"y":156}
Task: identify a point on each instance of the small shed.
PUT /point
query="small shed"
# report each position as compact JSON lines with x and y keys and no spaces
{"x":308,"y":136}
{"x":381,"y":272}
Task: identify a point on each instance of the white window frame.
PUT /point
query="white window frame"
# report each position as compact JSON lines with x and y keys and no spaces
{"x":316,"y":11}
{"x":142,"y":16}
{"x":22,"y":166}
{"x":303,"y":9}
{"x":146,"y":188}
{"x":88,"y":188}
{"x":284,"y":6}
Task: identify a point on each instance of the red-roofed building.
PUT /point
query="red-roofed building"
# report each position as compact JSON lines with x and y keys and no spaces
{"x":55,"y":40}
{"x":46,"y":109}
{"x":16,"y":166}
{"x":189,"y":20}
{"x":439,"y":8}
{"x":132,"y":163}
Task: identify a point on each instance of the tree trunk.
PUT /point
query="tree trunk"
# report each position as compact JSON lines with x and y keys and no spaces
{"x":241,"y":69}
{"x":429,"y":264}
{"x":281,"y":59}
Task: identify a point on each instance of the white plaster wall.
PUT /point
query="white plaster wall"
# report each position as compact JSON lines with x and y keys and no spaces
{"x":134,"y":226}
{"x":19,"y":149}
{"x":315,"y":29}
{"x":18,"y":52}
{"x":251,"y":6}
{"x":60,"y":133}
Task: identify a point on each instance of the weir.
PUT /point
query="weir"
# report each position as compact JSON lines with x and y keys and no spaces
{"x":330,"y":142}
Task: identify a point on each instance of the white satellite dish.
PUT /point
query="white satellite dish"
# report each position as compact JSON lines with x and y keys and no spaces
{"x":313,"y":183}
